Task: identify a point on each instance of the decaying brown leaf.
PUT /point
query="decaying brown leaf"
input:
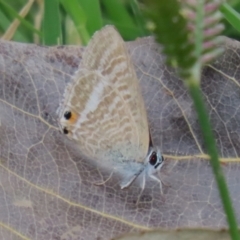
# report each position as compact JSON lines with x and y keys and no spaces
{"x":47,"y":187}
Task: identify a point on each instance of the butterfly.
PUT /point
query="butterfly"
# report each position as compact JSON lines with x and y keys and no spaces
{"x":104,"y":113}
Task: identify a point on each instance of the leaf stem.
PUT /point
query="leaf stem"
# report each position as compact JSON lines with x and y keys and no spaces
{"x":195,"y":92}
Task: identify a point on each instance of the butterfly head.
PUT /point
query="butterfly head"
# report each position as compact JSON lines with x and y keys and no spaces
{"x":154,"y":160}
{"x":153,"y":163}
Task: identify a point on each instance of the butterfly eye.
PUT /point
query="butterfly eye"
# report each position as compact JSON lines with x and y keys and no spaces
{"x":65,"y":131}
{"x":153,"y":158}
{"x":67,"y":115}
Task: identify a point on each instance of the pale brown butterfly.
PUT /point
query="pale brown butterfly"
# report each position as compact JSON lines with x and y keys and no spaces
{"x":103,"y":111}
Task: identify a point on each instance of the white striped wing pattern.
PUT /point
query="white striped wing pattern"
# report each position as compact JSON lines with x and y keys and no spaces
{"x":103,"y":108}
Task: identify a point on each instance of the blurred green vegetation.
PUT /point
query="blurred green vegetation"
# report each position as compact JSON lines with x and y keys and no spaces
{"x":75,"y":21}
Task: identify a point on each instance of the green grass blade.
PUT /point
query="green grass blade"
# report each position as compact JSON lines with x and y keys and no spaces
{"x":4,"y":24}
{"x":119,"y":16}
{"x":51,"y":23}
{"x":12,"y":12}
{"x":139,"y":17}
{"x":74,"y":9}
{"x":15,"y":24}
{"x":93,"y":15}
{"x":231,"y":15}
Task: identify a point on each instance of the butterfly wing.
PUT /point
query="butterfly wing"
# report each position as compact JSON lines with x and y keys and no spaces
{"x":108,"y":116}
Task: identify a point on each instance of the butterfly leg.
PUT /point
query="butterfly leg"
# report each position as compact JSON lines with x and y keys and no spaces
{"x":144,"y":181}
{"x":158,"y":180}
{"x":142,"y":187}
{"x":129,"y":181}
{"x":126,"y":184}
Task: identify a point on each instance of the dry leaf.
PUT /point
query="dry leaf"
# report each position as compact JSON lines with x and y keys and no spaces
{"x":46,"y":185}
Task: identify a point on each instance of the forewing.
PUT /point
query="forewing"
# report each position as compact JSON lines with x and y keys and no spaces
{"x":108,"y":117}
{"x":107,"y":54}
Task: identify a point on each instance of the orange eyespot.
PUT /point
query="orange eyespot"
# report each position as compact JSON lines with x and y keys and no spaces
{"x":70,"y":116}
